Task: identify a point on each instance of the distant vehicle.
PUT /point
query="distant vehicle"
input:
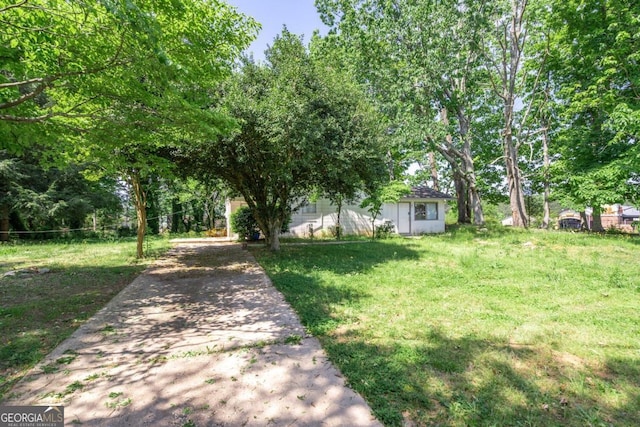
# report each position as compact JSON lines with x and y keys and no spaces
{"x":568,"y":219}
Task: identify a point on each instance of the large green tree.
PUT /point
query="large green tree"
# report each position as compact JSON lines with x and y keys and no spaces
{"x":302,"y":123}
{"x":421,"y":62}
{"x":36,"y":199}
{"x":120,"y":82}
{"x":595,"y":69}
{"x":50,"y":51}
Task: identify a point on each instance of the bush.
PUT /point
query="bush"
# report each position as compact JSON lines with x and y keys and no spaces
{"x":335,"y":231}
{"x":384,"y":231}
{"x":243,"y":223}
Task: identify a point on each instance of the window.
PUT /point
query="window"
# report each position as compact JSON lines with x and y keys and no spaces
{"x":308,"y":208}
{"x":426,"y":211}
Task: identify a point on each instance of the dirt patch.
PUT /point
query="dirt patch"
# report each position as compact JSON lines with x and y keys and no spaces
{"x":201,"y":338}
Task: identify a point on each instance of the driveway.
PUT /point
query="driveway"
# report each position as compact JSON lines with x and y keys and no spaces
{"x":201,"y":338}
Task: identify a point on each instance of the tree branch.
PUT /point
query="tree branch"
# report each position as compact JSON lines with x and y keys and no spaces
{"x":27,"y":96}
{"x":45,"y":82}
{"x":13,"y":6}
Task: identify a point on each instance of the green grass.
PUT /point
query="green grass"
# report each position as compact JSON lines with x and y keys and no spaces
{"x":519,"y":328}
{"x":38,"y":311}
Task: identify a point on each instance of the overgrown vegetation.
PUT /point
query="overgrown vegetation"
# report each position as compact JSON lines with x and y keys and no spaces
{"x":243,"y":223}
{"x":501,"y":327}
{"x":56,"y":288}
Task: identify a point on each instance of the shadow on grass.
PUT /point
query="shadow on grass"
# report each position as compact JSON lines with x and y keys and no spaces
{"x":38,"y":311}
{"x":444,"y":380}
{"x":312,"y":299}
{"x":346,"y":258}
{"x":470,"y":381}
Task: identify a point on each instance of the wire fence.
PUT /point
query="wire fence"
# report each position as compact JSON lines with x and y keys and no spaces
{"x":93,"y":229}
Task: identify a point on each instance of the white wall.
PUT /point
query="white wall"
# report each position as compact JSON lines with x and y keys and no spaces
{"x":428,"y":226}
{"x":354,"y":219}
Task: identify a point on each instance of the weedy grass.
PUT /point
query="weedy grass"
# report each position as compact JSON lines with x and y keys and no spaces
{"x":39,"y":310}
{"x":475,"y":327}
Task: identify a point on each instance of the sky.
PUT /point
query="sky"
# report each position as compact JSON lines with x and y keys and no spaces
{"x":300,"y":17}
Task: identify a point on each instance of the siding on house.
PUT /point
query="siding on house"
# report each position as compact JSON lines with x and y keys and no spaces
{"x":417,"y":213}
{"x":619,"y":217}
{"x":353,"y":219}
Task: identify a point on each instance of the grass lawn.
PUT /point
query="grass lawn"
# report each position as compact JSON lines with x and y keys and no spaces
{"x":524,"y":328}
{"x":38,"y":311}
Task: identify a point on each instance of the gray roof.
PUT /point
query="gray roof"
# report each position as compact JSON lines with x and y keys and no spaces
{"x":423,"y":192}
{"x":630,"y":212}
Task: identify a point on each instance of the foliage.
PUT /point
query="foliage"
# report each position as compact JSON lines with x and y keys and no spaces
{"x":243,"y":223}
{"x":452,"y":87}
{"x":431,"y":97}
{"x":59,"y":55}
{"x":300,"y":121}
{"x":431,"y":330}
{"x":374,"y":201}
{"x":39,"y":199}
{"x":118,"y":83}
{"x":593,"y":63}
{"x":386,"y":230}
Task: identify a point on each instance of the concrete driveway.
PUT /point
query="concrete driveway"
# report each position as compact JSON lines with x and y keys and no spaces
{"x":201,"y":338}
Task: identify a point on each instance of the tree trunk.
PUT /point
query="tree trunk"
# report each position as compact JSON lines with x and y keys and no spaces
{"x":140,"y":201}
{"x":338,"y":225}
{"x":469,"y":168}
{"x":176,"y":208}
{"x":464,"y":175}
{"x":547,"y":186}
{"x":464,"y":214}
{"x":4,"y":222}
{"x":596,"y":218}
{"x":274,"y":236}
{"x":433,"y":166}
{"x":512,"y":53}
{"x":514,"y":182}
{"x":475,"y":204}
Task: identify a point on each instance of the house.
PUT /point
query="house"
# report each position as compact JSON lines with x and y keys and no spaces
{"x":614,"y":216}
{"x":422,"y":211}
{"x":619,"y":217}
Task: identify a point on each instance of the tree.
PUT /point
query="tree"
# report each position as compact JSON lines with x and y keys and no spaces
{"x":300,"y":121}
{"x":594,"y":55}
{"x":353,"y":172}
{"x":504,"y":57}
{"x":243,"y":223}
{"x":421,"y":61}
{"x":35,"y":199}
{"x":159,"y":105}
{"x":389,"y":193}
{"x":130,"y":79}
{"x":9,"y":174}
{"x":51,"y":50}
{"x":195,"y":200}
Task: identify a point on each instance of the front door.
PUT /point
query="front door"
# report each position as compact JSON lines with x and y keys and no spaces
{"x":404,"y":218}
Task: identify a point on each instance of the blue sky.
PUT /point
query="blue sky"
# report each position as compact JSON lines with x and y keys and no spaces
{"x":300,"y":17}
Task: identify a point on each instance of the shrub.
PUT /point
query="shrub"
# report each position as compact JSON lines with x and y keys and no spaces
{"x":384,"y":231}
{"x":243,"y":223}
{"x":335,"y":231}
